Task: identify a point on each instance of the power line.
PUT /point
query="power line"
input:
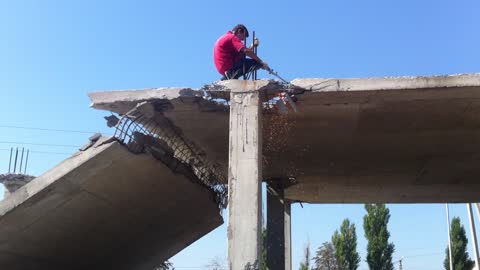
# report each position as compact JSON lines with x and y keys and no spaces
{"x":40,"y":152}
{"x":43,"y":144}
{"x":48,"y":129}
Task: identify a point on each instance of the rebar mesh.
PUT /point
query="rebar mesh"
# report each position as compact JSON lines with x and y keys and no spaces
{"x":146,"y":130}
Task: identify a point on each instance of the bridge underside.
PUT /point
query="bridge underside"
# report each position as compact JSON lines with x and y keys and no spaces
{"x":104,"y":208}
{"x":393,"y":140}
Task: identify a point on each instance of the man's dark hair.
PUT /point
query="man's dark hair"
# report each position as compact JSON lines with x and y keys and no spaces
{"x":240,"y":27}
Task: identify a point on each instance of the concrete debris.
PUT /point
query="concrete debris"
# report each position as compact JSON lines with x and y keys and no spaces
{"x":12,"y":182}
{"x":112,"y":120}
{"x":91,"y":141}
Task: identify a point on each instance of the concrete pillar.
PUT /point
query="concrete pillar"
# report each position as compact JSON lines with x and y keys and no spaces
{"x":275,"y":230}
{"x":244,"y":179}
{"x":279,"y":253}
{"x":288,"y":234}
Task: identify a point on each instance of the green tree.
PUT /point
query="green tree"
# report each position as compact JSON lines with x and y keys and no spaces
{"x":345,"y":243}
{"x":166,"y":265}
{"x":325,"y":258}
{"x":461,"y":260}
{"x":379,"y":251}
{"x":216,"y":263}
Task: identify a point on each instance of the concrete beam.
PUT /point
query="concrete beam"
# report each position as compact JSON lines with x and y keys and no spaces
{"x":287,"y":221}
{"x":244,"y":177}
{"x":388,"y":83}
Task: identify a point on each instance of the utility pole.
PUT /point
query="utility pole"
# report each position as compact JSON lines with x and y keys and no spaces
{"x":400,"y":266}
{"x":474,"y":234}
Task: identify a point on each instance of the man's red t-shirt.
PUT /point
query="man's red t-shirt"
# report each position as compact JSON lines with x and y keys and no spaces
{"x":227,"y":51}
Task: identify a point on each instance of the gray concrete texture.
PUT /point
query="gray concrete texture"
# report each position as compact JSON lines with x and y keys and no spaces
{"x":104,"y":208}
{"x":391,"y":140}
{"x":14,"y":181}
{"x":245,"y":179}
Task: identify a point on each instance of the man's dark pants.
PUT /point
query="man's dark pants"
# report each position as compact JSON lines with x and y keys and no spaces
{"x":237,"y":70}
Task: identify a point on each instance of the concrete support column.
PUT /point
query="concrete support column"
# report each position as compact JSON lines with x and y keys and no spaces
{"x":288,"y":234}
{"x":244,"y":180}
{"x":279,"y":253}
{"x":275,"y":230}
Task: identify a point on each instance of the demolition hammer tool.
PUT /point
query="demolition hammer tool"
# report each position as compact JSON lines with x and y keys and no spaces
{"x":272,"y":72}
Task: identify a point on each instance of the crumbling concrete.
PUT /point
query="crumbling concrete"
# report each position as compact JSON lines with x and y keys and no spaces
{"x":148,"y":112}
{"x":14,"y":181}
{"x":104,"y":208}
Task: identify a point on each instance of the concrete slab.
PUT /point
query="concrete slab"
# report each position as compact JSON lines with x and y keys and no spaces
{"x":104,"y":208}
{"x":394,"y":139}
{"x":407,"y":139}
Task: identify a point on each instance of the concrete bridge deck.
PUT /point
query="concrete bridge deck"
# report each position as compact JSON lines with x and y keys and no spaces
{"x":394,"y":140}
{"x":104,"y":208}
{"x":401,"y":139}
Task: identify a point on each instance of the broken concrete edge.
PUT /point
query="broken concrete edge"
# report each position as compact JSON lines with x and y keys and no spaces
{"x":122,"y":101}
{"x":142,"y":106}
{"x":218,"y":93}
{"x":214,"y":94}
{"x":14,"y":177}
{"x":43,"y":181}
{"x":388,"y":83}
{"x":14,"y":181}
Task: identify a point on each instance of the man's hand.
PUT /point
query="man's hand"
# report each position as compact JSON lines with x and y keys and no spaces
{"x":266,"y":67}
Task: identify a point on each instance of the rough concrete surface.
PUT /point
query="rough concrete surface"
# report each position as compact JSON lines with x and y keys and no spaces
{"x":245,"y":179}
{"x":393,"y":139}
{"x":104,"y":208}
{"x":14,"y":181}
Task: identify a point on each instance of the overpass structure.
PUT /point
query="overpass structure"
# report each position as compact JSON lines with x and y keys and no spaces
{"x":389,"y":140}
{"x":104,"y":208}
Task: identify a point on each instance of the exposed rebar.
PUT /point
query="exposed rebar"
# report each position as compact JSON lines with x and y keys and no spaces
{"x":21,"y":160}
{"x":10,"y":161}
{"x":145,"y":130}
{"x":15,"y":164}
{"x":26,"y":162}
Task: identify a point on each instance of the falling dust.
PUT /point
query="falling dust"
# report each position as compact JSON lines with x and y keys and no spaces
{"x":279,"y":135}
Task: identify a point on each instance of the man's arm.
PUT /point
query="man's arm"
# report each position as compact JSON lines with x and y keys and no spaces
{"x":249,"y":52}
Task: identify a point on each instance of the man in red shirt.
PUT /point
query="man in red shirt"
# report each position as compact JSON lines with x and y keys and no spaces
{"x":229,"y":52}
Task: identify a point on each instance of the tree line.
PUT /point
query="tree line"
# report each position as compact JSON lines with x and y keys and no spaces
{"x":341,"y":252}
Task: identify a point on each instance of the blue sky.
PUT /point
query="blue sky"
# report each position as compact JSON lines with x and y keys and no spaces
{"x":54,"y":52}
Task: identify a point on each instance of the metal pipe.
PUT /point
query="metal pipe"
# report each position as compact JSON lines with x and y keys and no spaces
{"x":477,"y":207}
{"x":449,"y":241}
{"x":254,"y":76}
{"x":15,"y":164}
{"x":26,"y":161}
{"x":244,"y":58}
{"x":10,"y":162}
{"x":21,"y":160}
{"x":474,"y":234}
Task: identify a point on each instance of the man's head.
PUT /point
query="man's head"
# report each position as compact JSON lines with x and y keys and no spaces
{"x":240,"y":31}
